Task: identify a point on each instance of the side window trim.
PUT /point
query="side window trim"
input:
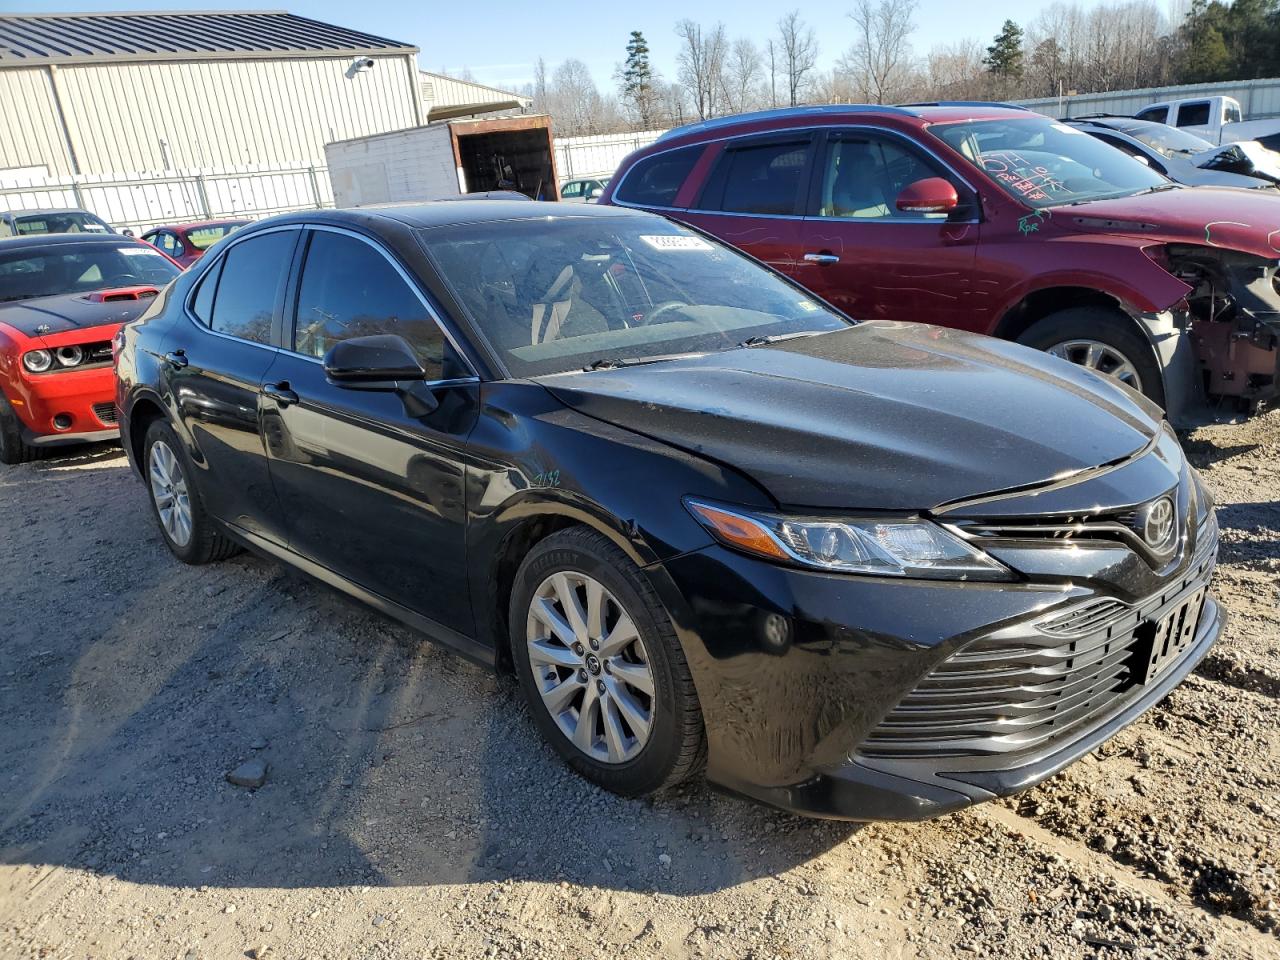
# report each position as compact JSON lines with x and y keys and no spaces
{"x":206,"y":268}
{"x":813,"y":201}
{"x":295,"y":281}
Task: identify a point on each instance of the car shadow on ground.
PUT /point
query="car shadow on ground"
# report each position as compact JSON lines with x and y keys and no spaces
{"x":130,"y":685}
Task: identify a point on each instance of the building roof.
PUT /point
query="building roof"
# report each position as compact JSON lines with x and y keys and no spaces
{"x":449,"y":97}
{"x":37,"y":39}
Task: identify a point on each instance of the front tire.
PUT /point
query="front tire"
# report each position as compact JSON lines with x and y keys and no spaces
{"x":188,"y":530}
{"x":13,"y":449}
{"x":1103,"y":341}
{"x":601,"y":668}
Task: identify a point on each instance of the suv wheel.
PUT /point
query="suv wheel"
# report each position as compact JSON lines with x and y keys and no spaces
{"x":1103,"y":341}
{"x":188,"y":530}
{"x":601,"y":668}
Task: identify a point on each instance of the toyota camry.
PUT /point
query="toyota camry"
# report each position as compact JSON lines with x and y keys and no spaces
{"x":870,"y":571}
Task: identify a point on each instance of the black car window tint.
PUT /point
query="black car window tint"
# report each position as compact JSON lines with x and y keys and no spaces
{"x":249,"y":285}
{"x":1154,"y":114}
{"x":349,"y":289}
{"x":655,"y":181}
{"x":761,"y":179}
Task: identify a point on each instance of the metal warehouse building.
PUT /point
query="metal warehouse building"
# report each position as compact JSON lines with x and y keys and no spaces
{"x":116,"y":93}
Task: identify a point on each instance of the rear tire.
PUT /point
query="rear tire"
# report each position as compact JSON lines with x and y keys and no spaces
{"x":188,"y":530}
{"x":592,"y":705}
{"x":1104,"y":341}
{"x":13,"y":449}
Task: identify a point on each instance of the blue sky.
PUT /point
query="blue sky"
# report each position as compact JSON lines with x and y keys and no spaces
{"x":499,"y":40}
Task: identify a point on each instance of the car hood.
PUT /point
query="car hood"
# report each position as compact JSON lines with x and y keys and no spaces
{"x":76,"y":311}
{"x":1246,"y":157}
{"x":1245,"y":220}
{"x":884,"y":415}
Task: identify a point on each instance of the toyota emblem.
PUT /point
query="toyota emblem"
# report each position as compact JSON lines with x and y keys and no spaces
{"x":1157,"y":524}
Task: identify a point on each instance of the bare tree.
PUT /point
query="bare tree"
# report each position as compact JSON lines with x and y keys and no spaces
{"x":955,"y":72}
{"x":798,"y":49}
{"x":701,"y":65}
{"x":743,"y":76}
{"x":576,"y":104}
{"x":771,"y":48}
{"x":880,"y":59}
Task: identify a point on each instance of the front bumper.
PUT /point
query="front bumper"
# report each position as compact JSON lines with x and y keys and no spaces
{"x":797,"y":670}
{"x":68,"y":407}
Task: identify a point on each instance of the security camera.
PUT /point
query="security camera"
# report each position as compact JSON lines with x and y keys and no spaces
{"x":359,"y":65}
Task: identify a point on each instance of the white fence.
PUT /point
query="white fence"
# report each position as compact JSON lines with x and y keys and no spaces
{"x":141,"y":201}
{"x":598,"y":156}
{"x":1259,"y":99}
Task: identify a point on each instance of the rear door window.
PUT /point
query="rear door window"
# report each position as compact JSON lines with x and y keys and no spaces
{"x":760,"y":178}
{"x":655,"y":181}
{"x":250,"y":286}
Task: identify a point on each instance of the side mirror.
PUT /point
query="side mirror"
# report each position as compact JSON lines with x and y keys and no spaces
{"x":372,"y":363}
{"x":595,"y":193}
{"x":931,"y":195}
{"x":128,"y":233}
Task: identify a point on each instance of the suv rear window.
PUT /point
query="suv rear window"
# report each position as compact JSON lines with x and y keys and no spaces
{"x":655,"y":180}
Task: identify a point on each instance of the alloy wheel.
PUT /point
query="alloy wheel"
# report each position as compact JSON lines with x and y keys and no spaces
{"x":1100,"y":357}
{"x":169,"y":490}
{"x":590,"y":667}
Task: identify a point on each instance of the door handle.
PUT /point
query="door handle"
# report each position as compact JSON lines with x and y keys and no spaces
{"x":280,"y":393}
{"x":821,"y":258}
{"x":177,"y":358}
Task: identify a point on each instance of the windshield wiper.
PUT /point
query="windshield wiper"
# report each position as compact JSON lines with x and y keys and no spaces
{"x":613,"y":363}
{"x":777,"y":338}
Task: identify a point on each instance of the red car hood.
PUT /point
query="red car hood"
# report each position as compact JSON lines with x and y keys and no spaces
{"x":1245,"y":220}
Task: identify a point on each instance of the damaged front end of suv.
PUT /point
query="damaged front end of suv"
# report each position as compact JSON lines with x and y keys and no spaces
{"x":1232,"y":316}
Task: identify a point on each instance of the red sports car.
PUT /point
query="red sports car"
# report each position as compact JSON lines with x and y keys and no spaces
{"x":62,"y":299}
{"x":187,"y":242}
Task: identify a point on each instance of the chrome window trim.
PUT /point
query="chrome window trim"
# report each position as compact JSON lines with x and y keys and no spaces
{"x":821,"y":128}
{"x":411,"y":283}
{"x":204,"y":270}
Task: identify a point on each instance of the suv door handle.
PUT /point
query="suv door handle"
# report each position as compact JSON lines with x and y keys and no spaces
{"x":280,"y":393}
{"x":177,"y":358}
{"x":821,"y":258}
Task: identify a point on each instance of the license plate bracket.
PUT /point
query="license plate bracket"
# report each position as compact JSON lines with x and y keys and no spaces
{"x":1159,"y":643}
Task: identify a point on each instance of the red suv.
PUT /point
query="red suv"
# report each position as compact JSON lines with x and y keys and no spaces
{"x":993,"y":219}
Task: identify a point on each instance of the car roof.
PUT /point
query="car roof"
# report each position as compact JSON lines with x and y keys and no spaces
{"x":946,"y":111}
{"x":198,"y":224}
{"x":441,"y":213}
{"x":54,"y":239}
{"x":45,"y":211}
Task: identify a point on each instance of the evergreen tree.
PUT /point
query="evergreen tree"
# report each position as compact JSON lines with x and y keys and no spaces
{"x":1004,"y":57}
{"x":637,"y":80}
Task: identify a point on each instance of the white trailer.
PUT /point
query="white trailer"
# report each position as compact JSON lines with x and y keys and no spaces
{"x":442,"y":160}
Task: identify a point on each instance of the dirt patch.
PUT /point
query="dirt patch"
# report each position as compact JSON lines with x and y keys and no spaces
{"x":410,"y":810}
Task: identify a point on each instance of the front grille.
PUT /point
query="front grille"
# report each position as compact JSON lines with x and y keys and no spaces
{"x":106,"y":413}
{"x":1011,"y":694}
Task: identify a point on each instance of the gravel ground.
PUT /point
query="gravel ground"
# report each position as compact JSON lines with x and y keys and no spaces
{"x":410,"y":810}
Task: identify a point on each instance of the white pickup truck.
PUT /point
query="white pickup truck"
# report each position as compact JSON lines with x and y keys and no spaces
{"x":1217,"y":119}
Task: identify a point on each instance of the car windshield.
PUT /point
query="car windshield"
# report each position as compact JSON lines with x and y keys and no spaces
{"x":78,"y":268}
{"x":1043,"y":163}
{"x":74,"y":221}
{"x":202,"y":238}
{"x":1165,"y":140}
{"x":552,"y":295}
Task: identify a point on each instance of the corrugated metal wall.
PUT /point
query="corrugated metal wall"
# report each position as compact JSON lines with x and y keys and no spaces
{"x":1259,"y":99}
{"x":208,"y":113}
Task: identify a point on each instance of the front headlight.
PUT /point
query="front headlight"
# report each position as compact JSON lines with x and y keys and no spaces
{"x":908,"y":547}
{"x":37,"y":361}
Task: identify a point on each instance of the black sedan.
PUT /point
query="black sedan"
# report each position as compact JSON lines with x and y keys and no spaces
{"x":867,"y":571}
